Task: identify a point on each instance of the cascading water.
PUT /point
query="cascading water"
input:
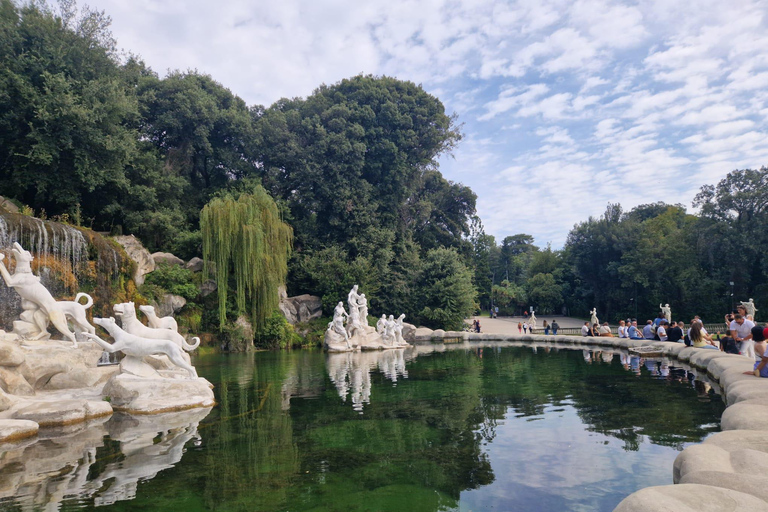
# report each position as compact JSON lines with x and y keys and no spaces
{"x":66,"y":260}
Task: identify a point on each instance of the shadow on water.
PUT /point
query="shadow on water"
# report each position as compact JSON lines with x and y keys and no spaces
{"x":492,"y":427}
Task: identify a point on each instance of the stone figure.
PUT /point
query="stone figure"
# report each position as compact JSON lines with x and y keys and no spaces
{"x":39,"y":306}
{"x":381,"y":324}
{"x":127,"y":312}
{"x":593,"y":320}
{"x":339,"y":312}
{"x":750,"y":307}
{"x":389,"y":331}
{"x":399,"y":330}
{"x":138,"y":347}
{"x":362,"y":304}
{"x":337,"y":324}
{"x":156,"y":322}
{"x":667,"y":312}
{"x":353,"y":299}
{"x":532,"y":320}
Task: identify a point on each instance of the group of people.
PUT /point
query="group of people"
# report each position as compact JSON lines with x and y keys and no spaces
{"x":523,"y":328}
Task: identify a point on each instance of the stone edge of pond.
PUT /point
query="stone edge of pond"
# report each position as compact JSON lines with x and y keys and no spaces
{"x":725,"y":472}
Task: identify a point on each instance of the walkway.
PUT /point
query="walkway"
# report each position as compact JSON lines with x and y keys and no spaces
{"x":508,"y":324}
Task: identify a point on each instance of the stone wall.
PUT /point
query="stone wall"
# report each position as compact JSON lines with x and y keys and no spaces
{"x":725,"y":472}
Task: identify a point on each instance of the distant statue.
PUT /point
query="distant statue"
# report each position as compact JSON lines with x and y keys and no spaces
{"x":750,"y":307}
{"x":389,"y":331}
{"x":337,"y":324}
{"x":339,"y":312}
{"x":362,"y":304}
{"x":667,"y":311}
{"x":399,"y":330}
{"x":593,"y":320}
{"x":38,"y":304}
{"x":381,"y":324}
{"x":353,"y":299}
{"x":532,"y":320}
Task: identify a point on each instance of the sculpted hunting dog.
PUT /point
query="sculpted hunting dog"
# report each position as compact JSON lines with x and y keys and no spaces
{"x":132,"y":325}
{"x":136,"y":346}
{"x":38,"y":301}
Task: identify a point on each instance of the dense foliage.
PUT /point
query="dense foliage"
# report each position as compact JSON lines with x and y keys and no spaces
{"x":627,"y":263}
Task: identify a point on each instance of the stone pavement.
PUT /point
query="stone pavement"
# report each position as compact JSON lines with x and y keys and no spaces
{"x":508,"y":324}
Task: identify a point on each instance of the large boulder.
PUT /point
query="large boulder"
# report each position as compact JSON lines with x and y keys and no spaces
{"x":166,"y":258}
{"x":195,"y":264}
{"x":13,"y":430}
{"x":169,"y":305}
{"x":409,"y":332}
{"x":62,"y":412}
{"x":301,"y":308}
{"x":141,"y":395}
{"x":208,"y":287}
{"x":136,"y":251}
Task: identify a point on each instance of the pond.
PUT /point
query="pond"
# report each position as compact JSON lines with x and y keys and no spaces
{"x":496,"y":427}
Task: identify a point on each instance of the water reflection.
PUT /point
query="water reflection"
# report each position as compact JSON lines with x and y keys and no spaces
{"x":350,"y":372}
{"x":78,"y":462}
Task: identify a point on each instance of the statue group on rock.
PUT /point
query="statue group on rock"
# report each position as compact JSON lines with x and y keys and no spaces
{"x":134,"y":339}
{"x":349,"y":331}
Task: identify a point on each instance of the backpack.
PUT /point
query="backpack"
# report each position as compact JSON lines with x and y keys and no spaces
{"x":687,"y":341}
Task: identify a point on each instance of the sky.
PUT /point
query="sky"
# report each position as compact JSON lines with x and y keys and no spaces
{"x":565,"y":106}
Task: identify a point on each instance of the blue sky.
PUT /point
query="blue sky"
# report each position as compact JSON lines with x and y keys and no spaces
{"x":566,"y":106}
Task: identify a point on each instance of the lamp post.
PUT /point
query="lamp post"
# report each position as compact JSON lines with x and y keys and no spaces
{"x":493,"y":277}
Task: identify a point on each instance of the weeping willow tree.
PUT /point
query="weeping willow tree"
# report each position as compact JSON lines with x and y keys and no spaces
{"x":246,"y":237}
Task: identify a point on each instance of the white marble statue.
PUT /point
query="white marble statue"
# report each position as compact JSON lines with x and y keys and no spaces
{"x":39,"y":306}
{"x":362,"y":304}
{"x":594,"y":320}
{"x":399,"y":331}
{"x":750,"y":307}
{"x":138,"y":347}
{"x":337,"y":324}
{"x":354,"y":322}
{"x":381,"y":324}
{"x":667,"y":312}
{"x":532,"y":319}
{"x":353,"y":300}
{"x":389,"y":331}
{"x":127,"y":313}
{"x":156,"y":322}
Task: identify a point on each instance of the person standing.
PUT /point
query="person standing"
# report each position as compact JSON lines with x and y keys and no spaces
{"x":555,"y":327}
{"x":546,"y":328}
{"x":520,"y":327}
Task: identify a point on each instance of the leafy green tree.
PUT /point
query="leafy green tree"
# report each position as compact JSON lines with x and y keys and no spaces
{"x":509,"y":297}
{"x":444,"y":290}
{"x":544,"y":293}
{"x":246,"y":237}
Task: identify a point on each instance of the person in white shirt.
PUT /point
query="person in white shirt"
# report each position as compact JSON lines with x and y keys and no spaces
{"x":585,"y":329}
{"x":622,"y":329}
{"x":741,"y":332}
{"x":661,"y":330}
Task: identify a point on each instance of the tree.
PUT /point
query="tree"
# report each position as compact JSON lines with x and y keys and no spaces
{"x":544,"y":293}
{"x":246,"y":237}
{"x":444,"y":290}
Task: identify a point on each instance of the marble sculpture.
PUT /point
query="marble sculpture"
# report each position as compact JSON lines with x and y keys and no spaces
{"x":127,"y":312}
{"x":593,"y":319}
{"x":667,"y":312}
{"x":750,"y":307}
{"x":156,"y":322}
{"x":136,"y":346}
{"x":38,"y":304}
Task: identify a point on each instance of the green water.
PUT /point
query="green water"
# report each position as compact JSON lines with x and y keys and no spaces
{"x":497,"y":428}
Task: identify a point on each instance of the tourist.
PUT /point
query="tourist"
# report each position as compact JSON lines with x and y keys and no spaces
{"x":661,"y":331}
{"x":622,"y":329}
{"x":648,"y":330}
{"x":555,"y":327}
{"x":633,"y":332}
{"x":585,"y":329}
{"x":525,"y":328}
{"x":700,"y":339}
{"x":546,"y":328}
{"x":477,"y":326}
{"x":659,"y":319}
{"x":605,"y":330}
{"x":741,"y":332}
{"x":520,"y":327}
{"x":594,"y":330}
{"x":674,"y":333}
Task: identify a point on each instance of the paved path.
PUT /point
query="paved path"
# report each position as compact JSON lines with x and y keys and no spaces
{"x":508,"y":324}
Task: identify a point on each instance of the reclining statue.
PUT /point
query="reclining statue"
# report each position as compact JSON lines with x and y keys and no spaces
{"x":39,"y":306}
{"x":136,"y":346}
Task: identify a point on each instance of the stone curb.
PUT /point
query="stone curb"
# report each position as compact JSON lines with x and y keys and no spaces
{"x":723,"y":473}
